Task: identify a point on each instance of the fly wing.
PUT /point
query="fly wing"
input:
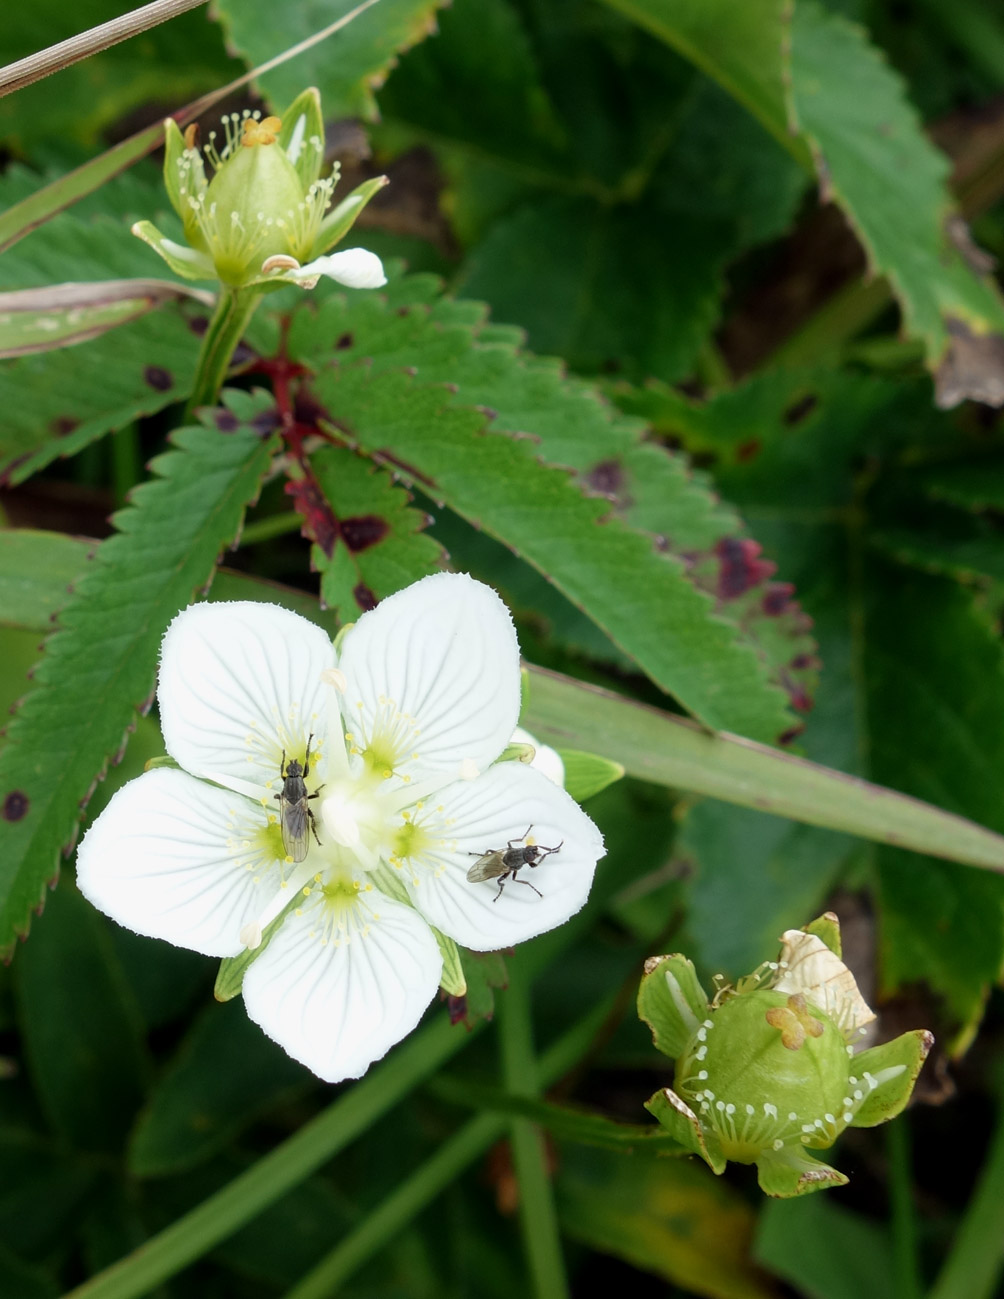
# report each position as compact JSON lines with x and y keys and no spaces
{"x":489,"y":866}
{"x":294,"y":825}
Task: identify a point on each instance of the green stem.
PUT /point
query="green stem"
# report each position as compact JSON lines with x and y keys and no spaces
{"x":197,"y":1231}
{"x":226,"y":329}
{"x":439,"y":1171}
{"x":904,"y":1221}
{"x":276,"y":525}
{"x":538,"y":1219}
{"x":974,"y":1266}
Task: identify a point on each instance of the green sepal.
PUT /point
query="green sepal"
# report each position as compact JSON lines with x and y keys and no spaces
{"x":187,"y":262}
{"x":340,"y":219}
{"x":587,"y":774}
{"x":672,"y":1002}
{"x":177,"y":158}
{"x":517,"y":753}
{"x":307,"y":104}
{"x":174,"y":151}
{"x":230,"y":977}
{"x":683,"y":1125}
{"x":792,"y":1171}
{"x":827,"y":928}
{"x":906,"y":1053}
{"x":483,"y":973}
{"x":162,"y":760}
{"x":452,"y":980}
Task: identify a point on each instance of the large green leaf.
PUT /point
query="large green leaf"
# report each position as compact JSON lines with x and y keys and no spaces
{"x":639,"y":594}
{"x":825,"y":1250}
{"x":913,"y":672}
{"x":598,"y":211}
{"x":224,"y":1074}
{"x":81,"y":1027}
{"x":98,"y":668}
{"x":57,"y":403}
{"x":803,"y":66}
{"x":347,"y":71}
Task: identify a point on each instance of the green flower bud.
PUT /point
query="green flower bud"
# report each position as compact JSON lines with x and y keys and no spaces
{"x":262,"y":215}
{"x":767,"y":1071}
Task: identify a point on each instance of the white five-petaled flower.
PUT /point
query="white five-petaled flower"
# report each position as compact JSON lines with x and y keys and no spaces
{"x":406,"y":721}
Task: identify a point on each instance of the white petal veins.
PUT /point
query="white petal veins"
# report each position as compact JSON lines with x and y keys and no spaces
{"x":173,"y":858}
{"x":240,"y":682}
{"x":432,"y":676}
{"x":484,"y":815}
{"x":341,"y":983}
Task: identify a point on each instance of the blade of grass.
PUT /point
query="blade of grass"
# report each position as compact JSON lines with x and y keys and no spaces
{"x":196,"y":1232}
{"x":435,"y":1175}
{"x":56,"y":57}
{"x":674,"y":751}
{"x":537,"y":1216}
{"x":974,"y":1266}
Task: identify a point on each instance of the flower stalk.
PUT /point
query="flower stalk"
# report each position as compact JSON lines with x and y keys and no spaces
{"x":234,"y":310}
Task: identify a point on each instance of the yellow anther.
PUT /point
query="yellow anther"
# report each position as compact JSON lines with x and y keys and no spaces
{"x":288,"y":860}
{"x":192,"y":136}
{"x":306,"y":890}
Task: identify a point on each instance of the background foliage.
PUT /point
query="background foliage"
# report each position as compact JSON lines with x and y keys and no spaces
{"x":687,"y":349}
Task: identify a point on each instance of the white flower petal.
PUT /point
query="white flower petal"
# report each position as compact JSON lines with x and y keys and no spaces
{"x":545,"y":759}
{"x":355,"y":267}
{"x":432,"y":676}
{"x":484,"y":816}
{"x":239,"y":683}
{"x":337,"y":997}
{"x":173,"y":858}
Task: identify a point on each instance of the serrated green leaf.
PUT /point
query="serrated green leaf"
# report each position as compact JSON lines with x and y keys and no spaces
{"x":645,"y":483}
{"x":873,"y":157}
{"x":913,"y":683}
{"x":98,"y":668}
{"x":368,"y":541}
{"x":642,"y":598}
{"x":735,"y":42}
{"x":224,"y":1074}
{"x":58,"y":403}
{"x":633,"y":289}
{"x":604,"y":233}
{"x":81,"y":1027}
{"x":804,"y":67}
{"x":36,"y":571}
{"x":347,"y":71}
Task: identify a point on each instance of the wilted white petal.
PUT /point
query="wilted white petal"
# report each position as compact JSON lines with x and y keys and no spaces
{"x":545,"y":759}
{"x":173,"y":858}
{"x":355,"y":267}
{"x":239,"y":683}
{"x":343,"y":980}
{"x":432,"y":678}
{"x":808,"y":966}
{"x":466,"y":820}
